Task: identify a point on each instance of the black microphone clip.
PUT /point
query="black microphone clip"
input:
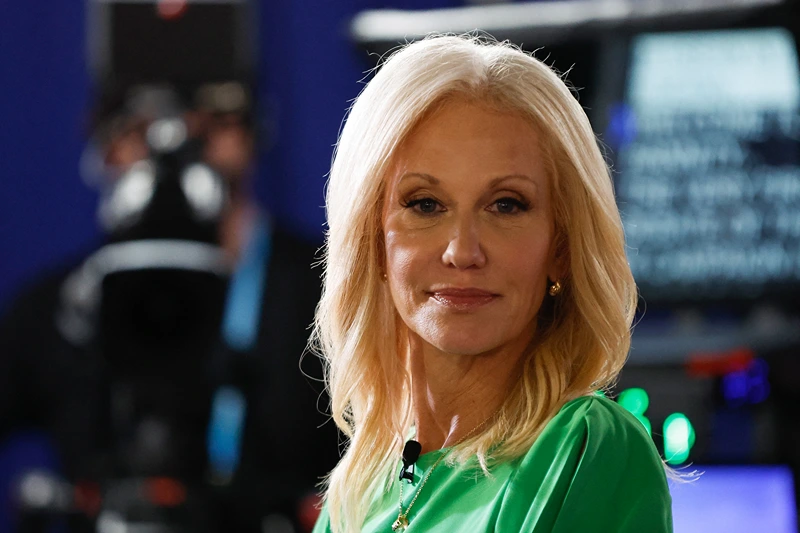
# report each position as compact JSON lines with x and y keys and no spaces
{"x":410,"y":455}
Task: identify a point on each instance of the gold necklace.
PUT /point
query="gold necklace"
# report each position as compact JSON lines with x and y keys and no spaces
{"x":402,"y":517}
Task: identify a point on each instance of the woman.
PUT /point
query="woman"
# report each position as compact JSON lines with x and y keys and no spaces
{"x":476,"y":294}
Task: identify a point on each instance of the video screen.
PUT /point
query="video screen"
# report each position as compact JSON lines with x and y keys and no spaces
{"x":707,"y":164}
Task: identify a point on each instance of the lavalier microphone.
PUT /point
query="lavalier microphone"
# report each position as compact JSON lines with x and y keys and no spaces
{"x":411,"y":453}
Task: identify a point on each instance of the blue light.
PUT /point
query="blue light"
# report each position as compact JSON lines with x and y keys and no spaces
{"x":758,"y":382}
{"x":750,"y":385}
{"x":734,"y":387}
{"x":621,"y":130}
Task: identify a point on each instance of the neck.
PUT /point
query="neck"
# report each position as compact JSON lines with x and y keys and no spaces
{"x":455,"y":396}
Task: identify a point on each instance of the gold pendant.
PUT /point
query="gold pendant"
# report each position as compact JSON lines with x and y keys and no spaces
{"x":400,"y":524}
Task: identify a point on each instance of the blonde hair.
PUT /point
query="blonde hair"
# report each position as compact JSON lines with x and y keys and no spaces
{"x":582,"y":339}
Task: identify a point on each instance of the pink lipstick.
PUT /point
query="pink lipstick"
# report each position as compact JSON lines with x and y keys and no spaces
{"x":463,"y":299}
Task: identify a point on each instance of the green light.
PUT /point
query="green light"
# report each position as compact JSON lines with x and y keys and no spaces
{"x":634,"y":400}
{"x":646,"y":423}
{"x":678,"y":438}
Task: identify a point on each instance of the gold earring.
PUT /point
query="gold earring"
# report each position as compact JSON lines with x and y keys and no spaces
{"x":555,"y":288}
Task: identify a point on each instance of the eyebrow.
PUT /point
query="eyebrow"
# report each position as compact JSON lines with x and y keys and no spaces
{"x":427,"y":177}
{"x":496,"y":181}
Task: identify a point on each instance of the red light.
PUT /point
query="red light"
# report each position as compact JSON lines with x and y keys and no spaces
{"x":171,"y":9}
{"x":165,"y":492}
{"x":88,"y":498}
{"x":308,"y":510}
{"x":718,"y":364}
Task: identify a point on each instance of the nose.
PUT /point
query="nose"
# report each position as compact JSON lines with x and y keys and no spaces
{"x":464,"y":249}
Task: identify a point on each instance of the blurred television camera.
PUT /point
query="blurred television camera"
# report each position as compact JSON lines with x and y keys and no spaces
{"x":170,"y":143}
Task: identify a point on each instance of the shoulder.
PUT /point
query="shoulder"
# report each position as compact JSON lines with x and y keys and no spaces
{"x":590,"y":428}
{"x":593,"y":468}
{"x":610,"y":438}
{"x":598,"y":420}
{"x":603,"y":420}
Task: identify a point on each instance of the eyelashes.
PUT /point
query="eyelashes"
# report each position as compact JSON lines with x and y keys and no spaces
{"x":425,"y":206}
{"x":506,"y":205}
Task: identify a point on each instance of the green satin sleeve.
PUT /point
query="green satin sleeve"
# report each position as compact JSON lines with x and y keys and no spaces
{"x":603,"y":474}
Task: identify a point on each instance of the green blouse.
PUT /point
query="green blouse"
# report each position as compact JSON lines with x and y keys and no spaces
{"x":594,"y":468}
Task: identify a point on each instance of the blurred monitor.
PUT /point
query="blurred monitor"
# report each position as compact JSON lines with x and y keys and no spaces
{"x":736,"y":499}
{"x":706,"y":136}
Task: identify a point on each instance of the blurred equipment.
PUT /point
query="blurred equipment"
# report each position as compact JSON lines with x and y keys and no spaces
{"x":165,"y":364}
{"x":148,"y":308}
{"x":708,"y":149}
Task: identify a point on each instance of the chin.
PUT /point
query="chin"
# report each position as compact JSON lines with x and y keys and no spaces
{"x":468,"y":334}
{"x":470,"y":344}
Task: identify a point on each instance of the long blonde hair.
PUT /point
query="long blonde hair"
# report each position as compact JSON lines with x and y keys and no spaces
{"x":583,"y":337}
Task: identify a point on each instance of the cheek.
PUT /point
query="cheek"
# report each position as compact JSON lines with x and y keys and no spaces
{"x":535,"y":263}
{"x":528,"y":262}
{"x":400,"y":258}
{"x":399,"y":274}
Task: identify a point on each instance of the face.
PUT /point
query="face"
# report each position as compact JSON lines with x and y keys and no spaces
{"x":469,"y":231}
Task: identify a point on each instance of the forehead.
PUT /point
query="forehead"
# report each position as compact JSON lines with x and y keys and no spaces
{"x":462,"y":138}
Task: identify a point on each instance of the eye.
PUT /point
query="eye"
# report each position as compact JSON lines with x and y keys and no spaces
{"x":426,"y":206}
{"x":509,"y":206}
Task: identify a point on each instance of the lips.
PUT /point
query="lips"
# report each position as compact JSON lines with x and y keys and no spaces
{"x":463,"y":299}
